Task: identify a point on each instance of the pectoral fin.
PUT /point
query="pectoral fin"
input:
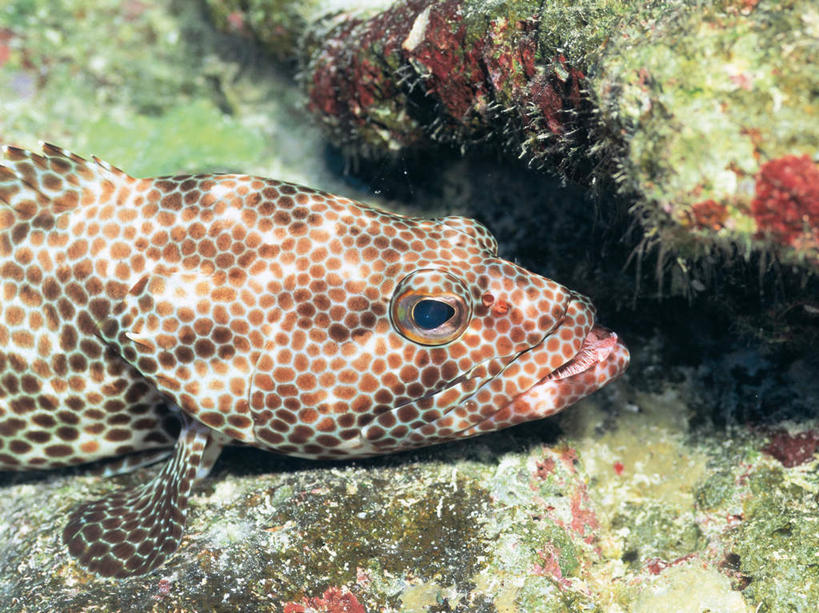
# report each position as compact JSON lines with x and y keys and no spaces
{"x":132,"y":531}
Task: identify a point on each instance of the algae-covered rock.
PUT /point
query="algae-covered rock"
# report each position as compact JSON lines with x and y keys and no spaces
{"x":715,"y":110}
{"x":778,"y":540}
{"x":277,"y":24}
{"x":703,"y":117}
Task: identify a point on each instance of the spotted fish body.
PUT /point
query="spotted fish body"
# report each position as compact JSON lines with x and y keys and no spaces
{"x":144,"y":318}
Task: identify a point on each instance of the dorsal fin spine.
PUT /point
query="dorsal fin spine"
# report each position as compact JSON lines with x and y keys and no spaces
{"x":55,"y":182}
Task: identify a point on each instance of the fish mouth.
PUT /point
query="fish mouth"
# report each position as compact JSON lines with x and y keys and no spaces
{"x":601,"y":358}
{"x":598,"y":345}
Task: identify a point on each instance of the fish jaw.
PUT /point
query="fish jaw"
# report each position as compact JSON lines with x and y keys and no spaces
{"x":601,"y":359}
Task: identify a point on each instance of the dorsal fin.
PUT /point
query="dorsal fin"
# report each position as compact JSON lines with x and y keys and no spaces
{"x":132,"y":531}
{"x":54,"y":182}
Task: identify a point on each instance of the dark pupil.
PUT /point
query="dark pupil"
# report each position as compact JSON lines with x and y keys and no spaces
{"x":429,"y":314}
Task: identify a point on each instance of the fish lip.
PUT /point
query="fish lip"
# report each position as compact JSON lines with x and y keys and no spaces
{"x":596,"y":348}
{"x":599,"y":346}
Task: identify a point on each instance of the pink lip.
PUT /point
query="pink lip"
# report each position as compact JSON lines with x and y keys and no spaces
{"x":597,"y":347}
{"x":602,"y":358}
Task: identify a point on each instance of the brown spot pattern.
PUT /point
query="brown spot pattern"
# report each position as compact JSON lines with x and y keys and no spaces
{"x":131,"y":532}
{"x":51,"y":360}
{"x":258,"y":311}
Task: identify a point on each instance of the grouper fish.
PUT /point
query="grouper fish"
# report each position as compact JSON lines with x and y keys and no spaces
{"x":161,"y":319}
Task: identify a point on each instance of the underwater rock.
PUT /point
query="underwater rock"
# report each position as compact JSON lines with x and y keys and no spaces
{"x":705,"y":116}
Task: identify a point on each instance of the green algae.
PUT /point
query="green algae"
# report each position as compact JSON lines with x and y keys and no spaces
{"x":652,"y":508}
{"x":778,"y":540}
{"x":194,"y":137}
{"x":136,"y":85}
{"x":63,"y":78}
{"x":655,"y":531}
{"x":278,"y":24}
{"x":717,"y":489}
{"x":702,"y":97}
{"x":416,"y":538}
{"x":387,"y":530}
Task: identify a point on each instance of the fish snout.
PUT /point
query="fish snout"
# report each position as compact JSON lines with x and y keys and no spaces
{"x":601,"y":358}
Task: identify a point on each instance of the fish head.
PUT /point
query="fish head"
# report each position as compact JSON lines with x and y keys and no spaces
{"x":520,"y":345}
{"x":419,"y":334}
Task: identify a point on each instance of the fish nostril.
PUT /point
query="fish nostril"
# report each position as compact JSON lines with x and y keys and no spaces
{"x":500,"y":307}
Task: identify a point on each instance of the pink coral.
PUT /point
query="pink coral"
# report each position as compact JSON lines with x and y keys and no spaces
{"x":334,"y":600}
{"x":793,"y":449}
{"x":786,"y":206}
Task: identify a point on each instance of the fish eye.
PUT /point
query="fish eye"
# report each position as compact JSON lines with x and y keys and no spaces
{"x":430,"y":307}
{"x":429,"y":314}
